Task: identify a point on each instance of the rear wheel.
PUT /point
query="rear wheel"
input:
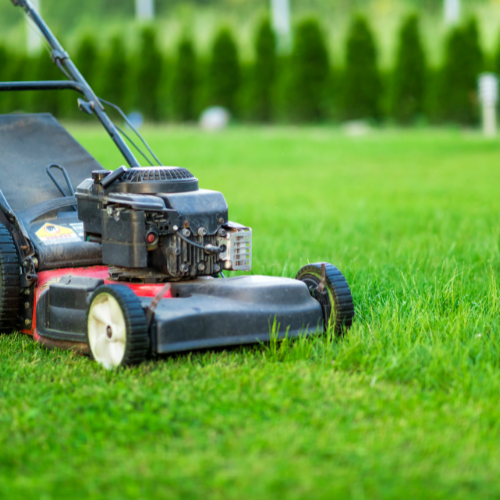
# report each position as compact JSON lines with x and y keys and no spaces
{"x":10,"y":282}
{"x":327,"y":285}
{"x":117,"y":334}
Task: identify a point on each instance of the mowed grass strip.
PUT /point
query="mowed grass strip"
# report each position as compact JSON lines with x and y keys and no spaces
{"x":406,"y":405}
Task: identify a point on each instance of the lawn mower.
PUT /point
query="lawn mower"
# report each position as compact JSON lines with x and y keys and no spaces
{"x":128,"y":263}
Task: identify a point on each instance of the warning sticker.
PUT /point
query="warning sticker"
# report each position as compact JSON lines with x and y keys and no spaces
{"x":51,"y":234}
{"x":78,"y":228}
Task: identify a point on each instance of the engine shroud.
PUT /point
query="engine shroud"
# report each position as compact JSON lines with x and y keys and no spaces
{"x":154,"y":180}
{"x":155,"y":222}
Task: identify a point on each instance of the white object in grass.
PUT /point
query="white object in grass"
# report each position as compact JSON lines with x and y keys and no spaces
{"x":107,"y":331}
{"x":356,"y":128}
{"x":214,"y":118}
{"x":136,"y":119}
{"x":488,"y":96}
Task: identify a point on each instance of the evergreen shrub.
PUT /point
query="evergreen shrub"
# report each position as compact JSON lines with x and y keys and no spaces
{"x":410,"y":74}
{"x":224,"y":74}
{"x":87,"y":60}
{"x":5,"y":68}
{"x":362,"y":86}
{"x":496,"y":59}
{"x":149,"y":75}
{"x":309,"y":71}
{"x":462,"y":65}
{"x":115,"y":74}
{"x":184,"y":89}
{"x":264,"y":72}
{"x":42,"y":68}
{"x":17,"y":68}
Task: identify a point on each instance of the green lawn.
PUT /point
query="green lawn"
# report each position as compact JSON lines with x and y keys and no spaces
{"x":406,"y":406}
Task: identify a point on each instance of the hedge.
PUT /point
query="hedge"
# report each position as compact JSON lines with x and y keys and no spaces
{"x":463,"y":63}
{"x":224,"y":73}
{"x":410,"y":74}
{"x":306,"y":86}
{"x":115,"y":80}
{"x":309,"y":70}
{"x":185,"y":84}
{"x":149,"y":63}
{"x":264,"y":73}
{"x":362,"y":84}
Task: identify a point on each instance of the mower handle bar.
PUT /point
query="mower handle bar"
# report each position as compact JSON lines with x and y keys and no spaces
{"x":61,"y":58}
{"x":42,"y":85}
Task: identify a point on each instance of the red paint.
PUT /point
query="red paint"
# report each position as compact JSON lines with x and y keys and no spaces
{"x":45,"y":278}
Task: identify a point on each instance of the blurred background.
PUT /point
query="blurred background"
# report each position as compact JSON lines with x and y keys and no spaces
{"x":408,"y":62}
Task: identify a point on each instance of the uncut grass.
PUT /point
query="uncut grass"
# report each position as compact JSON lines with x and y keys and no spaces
{"x":405,"y":405}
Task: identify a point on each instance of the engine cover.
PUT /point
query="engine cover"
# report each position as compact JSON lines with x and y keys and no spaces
{"x":152,"y":180}
{"x":157,"y":219}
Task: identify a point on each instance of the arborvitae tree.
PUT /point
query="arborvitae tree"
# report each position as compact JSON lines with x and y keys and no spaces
{"x":86,"y":59}
{"x":5,"y":67}
{"x":463,"y":63}
{"x":475,"y":53}
{"x":149,"y":75}
{"x":224,"y":71}
{"x":309,"y":69}
{"x":496,"y":58}
{"x":13,"y":67}
{"x":264,"y":72}
{"x":409,"y":74}
{"x":48,"y":101}
{"x":115,"y":74}
{"x":17,"y":69}
{"x":362,"y":84}
{"x":185,"y":82}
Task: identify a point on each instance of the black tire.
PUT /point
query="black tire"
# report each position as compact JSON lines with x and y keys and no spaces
{"x":341,"y":305}
{"x":136,"y":331}
{"x":10,"y":282}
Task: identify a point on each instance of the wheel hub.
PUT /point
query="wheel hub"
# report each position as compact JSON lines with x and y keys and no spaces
{"x":107,"y":331}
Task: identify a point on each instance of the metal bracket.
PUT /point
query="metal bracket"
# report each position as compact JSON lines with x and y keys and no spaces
{"x":150,"y":310}
{"x":59,"y":55}
{"x":86,"y":107}
{"x":322,"y":296}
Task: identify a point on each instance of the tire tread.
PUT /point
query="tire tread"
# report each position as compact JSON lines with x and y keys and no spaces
{"x":137,"y":345}
{"x":10,"y":282}
{"x":337,"y":284}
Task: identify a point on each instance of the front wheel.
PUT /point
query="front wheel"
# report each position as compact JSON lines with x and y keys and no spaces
{"x":329,"y":287}
{"x":117,"y":334}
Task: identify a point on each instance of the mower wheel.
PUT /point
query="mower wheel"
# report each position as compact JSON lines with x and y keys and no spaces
{"x":117,"y":334}
{"x":10,"y":284}
{"x":334,"y":296}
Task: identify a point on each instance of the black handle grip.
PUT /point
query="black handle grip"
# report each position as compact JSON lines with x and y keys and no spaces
{"x":113,"y":176}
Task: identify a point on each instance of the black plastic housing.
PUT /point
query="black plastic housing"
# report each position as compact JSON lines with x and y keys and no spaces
{"x":61,"y":309}
{"x":203,"y":313}
{"x":124,"y":248}
{"x":140,"y":203}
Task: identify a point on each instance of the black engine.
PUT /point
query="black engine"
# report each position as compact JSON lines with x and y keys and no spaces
{"x":155,"y":224}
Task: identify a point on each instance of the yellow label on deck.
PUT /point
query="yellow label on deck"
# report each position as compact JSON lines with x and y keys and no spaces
{"x":51,"y":234}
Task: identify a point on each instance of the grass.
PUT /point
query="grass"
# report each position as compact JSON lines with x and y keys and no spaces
{"x":406,"y":406}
